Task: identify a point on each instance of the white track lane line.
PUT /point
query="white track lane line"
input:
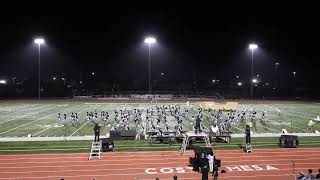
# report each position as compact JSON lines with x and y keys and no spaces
{"x":135,"y":164}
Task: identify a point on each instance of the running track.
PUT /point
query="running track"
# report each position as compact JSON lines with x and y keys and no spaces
{"x":128,"y":165}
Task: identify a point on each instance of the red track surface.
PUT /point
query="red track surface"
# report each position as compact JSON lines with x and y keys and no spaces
{"x":128,"y":165}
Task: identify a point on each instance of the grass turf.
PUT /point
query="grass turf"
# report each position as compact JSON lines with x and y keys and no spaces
{"x":21,"y":119}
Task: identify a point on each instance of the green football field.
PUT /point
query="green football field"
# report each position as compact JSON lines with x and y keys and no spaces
{"x":41,"y":119}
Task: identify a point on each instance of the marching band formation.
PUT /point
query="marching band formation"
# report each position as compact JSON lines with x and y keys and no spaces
{"x":168,"y":118}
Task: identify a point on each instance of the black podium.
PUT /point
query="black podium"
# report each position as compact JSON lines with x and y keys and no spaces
{"x":288,"y":141}
{"x":107,"y":144}
{"x":197,"y":162}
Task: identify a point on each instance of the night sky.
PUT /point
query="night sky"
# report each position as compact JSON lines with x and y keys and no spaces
{"x":208,"y":40}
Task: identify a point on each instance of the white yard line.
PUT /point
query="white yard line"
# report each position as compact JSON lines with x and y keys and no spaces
{"x":239,"y":129}
{"x":52,"y":125}
{"x":277,"y":109}
{"x":19,"y":117}
{"x":87,"y":122}
{"x":33,"y":121}
{"x":19,"y":109}
{"x":268,"y":128}
{"x":172,"y":125}
{"x":304,"y":130}
{"x":78,"y":129}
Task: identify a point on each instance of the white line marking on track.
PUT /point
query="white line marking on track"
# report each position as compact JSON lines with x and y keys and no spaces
{"x":143,"y":174}
{"x":133,"y":164}
{"x":184,"y":160}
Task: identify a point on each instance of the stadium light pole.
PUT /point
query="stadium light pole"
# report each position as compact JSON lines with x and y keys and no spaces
{"x":276,"y":79}
{"x":150,"y":41}
{"x":277,"y":64}
{"x":252,"y":47}
{"x":39,"y":41}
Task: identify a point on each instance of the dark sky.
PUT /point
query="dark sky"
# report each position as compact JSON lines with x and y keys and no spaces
{"x":210,"y":39}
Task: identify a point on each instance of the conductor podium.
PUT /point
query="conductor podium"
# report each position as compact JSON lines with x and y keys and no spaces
{"x":200,"y":158}
{"x":197,"y":161}
{"x":188,"y":136}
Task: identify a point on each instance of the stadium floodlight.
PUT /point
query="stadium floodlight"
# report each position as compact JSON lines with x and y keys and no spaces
{"x":3,"y":81}
{"x":39,"y":42}
{"x":252,"y":47}
{"x":150,"y":40}
{"x":254,"y":80}
{"x":64,"y":81}
{"x":239,"y":83}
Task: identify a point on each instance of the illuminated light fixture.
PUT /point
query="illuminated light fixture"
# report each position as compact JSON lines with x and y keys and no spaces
{"x":39,"y":41}
{"x":253,"y":46}
{"x":3,"y":81}
{"x":150,"y":40}
{"x":254,"y":80}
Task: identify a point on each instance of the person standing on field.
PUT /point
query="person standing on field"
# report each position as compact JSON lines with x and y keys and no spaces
{"x":210,"y":160}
